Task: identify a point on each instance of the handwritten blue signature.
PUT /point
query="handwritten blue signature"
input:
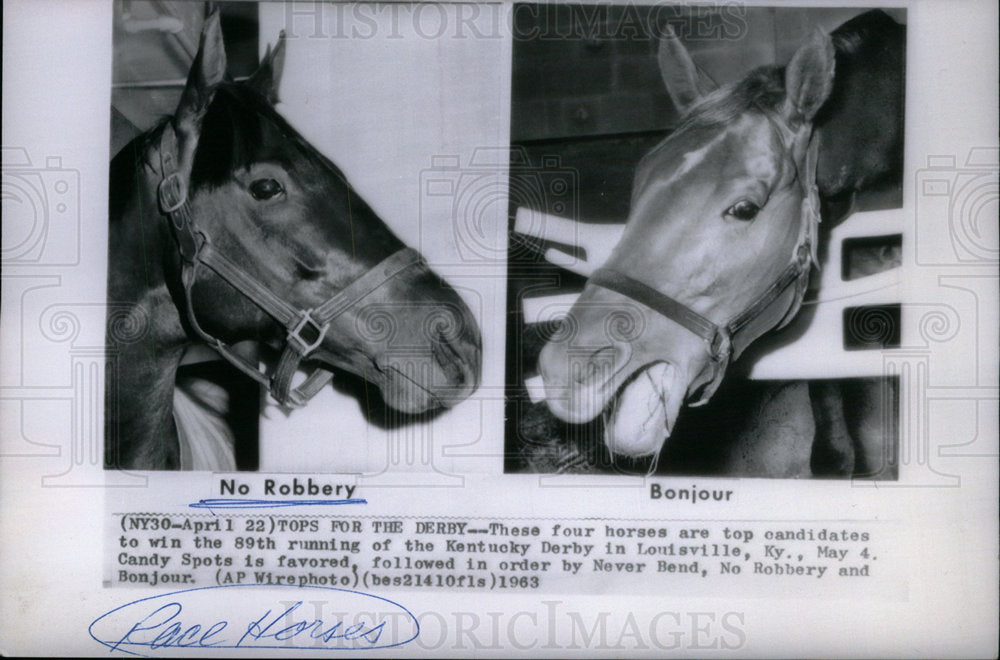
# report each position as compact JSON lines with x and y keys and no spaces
{"x":224,"y":503}
{"x":260,"y":616}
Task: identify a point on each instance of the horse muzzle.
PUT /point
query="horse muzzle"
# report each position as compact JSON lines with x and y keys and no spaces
{"x":618,"y":358}
{"x":416,"y":340}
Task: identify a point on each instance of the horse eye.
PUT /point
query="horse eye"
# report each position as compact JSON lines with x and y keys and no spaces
{"x":743,"y":210}
{"x":262,"y":189}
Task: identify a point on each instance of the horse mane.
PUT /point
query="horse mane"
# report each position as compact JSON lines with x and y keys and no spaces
{"x":232,"y":137}
{"x":126,"y":166}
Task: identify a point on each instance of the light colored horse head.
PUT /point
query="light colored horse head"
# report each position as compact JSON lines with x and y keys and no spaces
{"x":717,"y":250}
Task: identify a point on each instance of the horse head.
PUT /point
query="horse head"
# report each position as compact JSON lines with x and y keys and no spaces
{"x":274,"y":245}
{"x":717,"y":251}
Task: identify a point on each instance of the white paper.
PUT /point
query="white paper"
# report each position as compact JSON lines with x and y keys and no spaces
{"x":403,"y":98}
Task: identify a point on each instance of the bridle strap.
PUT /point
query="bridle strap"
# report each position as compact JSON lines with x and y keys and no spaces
{"x":318,"y":319}
{"x":306,"y":328}
{"x":722,"y":341}
{"x":371,"y":280}
{"x":676,"y":311}
{"x":795,"y":272}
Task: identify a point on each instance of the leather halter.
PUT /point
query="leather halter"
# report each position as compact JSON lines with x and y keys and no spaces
{"x":774,"y":308}
{"x":306,"y":327}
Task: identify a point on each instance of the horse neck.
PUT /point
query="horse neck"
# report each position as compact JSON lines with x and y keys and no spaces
{"x":861,"y":125}
{"x":141,"y":371}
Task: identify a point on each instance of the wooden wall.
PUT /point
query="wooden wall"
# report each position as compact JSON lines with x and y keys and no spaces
{"x":591,"y":70}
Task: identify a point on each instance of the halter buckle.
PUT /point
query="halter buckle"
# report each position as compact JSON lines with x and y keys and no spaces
{"x":804,"y":254}
{"x":171,"y":193}
{"x":720,"y":346}
{"x":301,"y":345}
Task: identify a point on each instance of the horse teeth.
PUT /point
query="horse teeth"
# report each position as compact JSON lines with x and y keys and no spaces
{"x":639,"y":423}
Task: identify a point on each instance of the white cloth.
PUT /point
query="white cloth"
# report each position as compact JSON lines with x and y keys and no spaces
{"x":206,"y":441}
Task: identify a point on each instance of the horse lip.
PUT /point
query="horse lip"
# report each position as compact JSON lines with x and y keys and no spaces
{"x":376,"y":374}
{"x":391,"y":375}
{"x":641,"y":438}
{"x":384,"y":375}
{"x":560,"y":404}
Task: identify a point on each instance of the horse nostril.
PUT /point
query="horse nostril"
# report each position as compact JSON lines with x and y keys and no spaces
{"x":308,"y":273}
{"x":584,"y":372}
{"x":587,"y":369}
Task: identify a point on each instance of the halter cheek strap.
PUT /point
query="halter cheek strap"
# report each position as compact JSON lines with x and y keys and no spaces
{"x":774,"y":308}
{"x":305,"y":327}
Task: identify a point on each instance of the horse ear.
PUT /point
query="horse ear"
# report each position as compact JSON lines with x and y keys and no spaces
{"x":267,"y":78}
{"x":809,"y":79}
{"x":685,"y":82}
{"x":208,"y":70}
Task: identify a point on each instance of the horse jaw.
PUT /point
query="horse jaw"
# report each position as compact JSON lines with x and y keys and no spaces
{"x":643,"y":414}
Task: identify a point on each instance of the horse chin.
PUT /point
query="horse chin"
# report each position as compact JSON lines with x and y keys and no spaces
{"x":398,"y":393}
{"x":437,"y":388}
{"x":407,"y":397}
{"x":642,"y":416}
{"x":410,"y":382}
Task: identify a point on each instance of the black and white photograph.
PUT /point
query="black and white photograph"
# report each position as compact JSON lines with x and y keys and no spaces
{"x":248,"y":272}
{"x":459,"y":329}
{"x":707,"y":199}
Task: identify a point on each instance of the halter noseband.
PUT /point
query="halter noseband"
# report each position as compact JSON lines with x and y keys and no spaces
{"x":726,"y":342}
{"x":305,"y":328}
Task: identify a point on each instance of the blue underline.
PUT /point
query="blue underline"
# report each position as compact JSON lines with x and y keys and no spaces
{"x":268,"y":504}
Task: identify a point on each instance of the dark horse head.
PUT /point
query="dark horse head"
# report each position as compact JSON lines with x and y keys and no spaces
{"x":716,"y":251}
{"x":227,"y":226}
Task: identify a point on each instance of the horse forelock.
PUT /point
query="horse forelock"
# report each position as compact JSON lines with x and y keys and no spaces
{"x":760,"y":92}
{"x":239,"y":129}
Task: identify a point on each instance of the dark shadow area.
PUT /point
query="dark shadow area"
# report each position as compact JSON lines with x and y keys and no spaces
{"x":243,"y":413}
{"x":373,"y":407}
